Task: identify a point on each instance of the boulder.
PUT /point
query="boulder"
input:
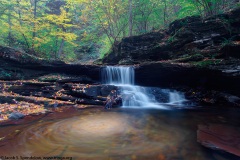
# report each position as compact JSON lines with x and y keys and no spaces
{"x":106,"y":89}
{"x":16,"y":115}
{"x":136,"y":48}
{"x":220,"y":137}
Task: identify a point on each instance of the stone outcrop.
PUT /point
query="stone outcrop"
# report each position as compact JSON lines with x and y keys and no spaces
{"x":163,"y":74}
{"x":80,"y":93}
{"x":214,"y":37}
{"x":15,"y":64}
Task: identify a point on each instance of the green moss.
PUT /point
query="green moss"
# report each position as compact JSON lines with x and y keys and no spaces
{"x":4,"y":74}
{"x":208,"y":62}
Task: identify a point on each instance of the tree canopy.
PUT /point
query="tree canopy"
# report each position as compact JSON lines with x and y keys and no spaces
{"x":72,"y":29}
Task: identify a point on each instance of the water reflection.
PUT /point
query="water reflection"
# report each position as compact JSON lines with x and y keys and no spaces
{"x":117,"y":134}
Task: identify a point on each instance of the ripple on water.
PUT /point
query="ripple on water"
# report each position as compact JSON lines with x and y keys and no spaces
{"x":103,"y":135}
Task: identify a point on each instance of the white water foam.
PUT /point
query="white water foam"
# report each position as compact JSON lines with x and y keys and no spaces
{"x":134,"y":96}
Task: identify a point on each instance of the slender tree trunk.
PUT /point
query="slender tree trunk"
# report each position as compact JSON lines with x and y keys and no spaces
{"x":10,"y":30}
{"x":165,"y":13}
{"x":56,"y":49}
{"x":34,"y":16}
{"x":34,"y":5}
{"x":21,"y":23}
{"x":123,"y":33}
{"x":145,"y":26}
{"x":19,"y":13}
{"x":60,"y":51}
{"x":130,"y":20}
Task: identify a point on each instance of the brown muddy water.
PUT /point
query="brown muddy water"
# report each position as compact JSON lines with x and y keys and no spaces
{"x":117,"y":134}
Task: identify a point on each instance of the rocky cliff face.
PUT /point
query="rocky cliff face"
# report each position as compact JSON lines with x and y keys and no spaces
{"x":15,"y":64}
{"x":214,"y":37}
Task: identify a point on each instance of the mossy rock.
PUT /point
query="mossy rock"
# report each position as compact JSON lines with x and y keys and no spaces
{"x":192,"y":58}
{"x":207,"y":63}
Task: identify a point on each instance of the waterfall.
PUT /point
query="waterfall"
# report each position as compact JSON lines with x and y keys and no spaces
{"x":176,"y":98}
{"x":133,"y":95}
{"x":118,"y":75}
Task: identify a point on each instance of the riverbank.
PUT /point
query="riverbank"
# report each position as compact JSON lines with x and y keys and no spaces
{"x":32,"y":87}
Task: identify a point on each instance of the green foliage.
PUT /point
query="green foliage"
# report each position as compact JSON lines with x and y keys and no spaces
{"x":228,"y":41}
{"x":67,"y":29}
{"x":173,"y":37}
{"x":106,"y":46}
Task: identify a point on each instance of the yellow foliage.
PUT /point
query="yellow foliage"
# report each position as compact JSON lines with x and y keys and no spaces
{"x":84,"y":34}
{"x":67,"y":36}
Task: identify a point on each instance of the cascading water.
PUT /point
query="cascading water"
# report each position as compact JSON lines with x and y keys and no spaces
{"x":118,"y":75}
{"x":133,"y":95}
{"x":176,"y":98}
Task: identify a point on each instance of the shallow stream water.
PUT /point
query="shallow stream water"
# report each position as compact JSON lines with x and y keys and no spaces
{"x":117,"y":134}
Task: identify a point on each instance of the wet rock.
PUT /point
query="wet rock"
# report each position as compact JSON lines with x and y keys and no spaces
{"x":16,"y":115}
{"x":230,"y":99}
{"x":127,"y":61}
{"x":89,"y":101}
{"x":113,"y":99}
{"x":220,"y":137}
{"x":106,"y":89}
{"x":83,"y":80}
{"x":93,"y":90}
{"x":161,"y":95}
{"x":234,"y":99}
{"x":168,"y":75}
{"x":231,"y":48}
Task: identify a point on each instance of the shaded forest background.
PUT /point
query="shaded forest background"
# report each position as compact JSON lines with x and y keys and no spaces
{"x":84,"y":30}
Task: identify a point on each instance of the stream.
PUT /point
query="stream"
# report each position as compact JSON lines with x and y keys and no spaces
{"x":118,"y":134}
{"x":153,"y":131}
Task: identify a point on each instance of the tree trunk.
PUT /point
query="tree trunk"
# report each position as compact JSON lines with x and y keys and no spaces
{"x":21,"y":23}
{"x":34,"y":5}
{"x":34,"y":16}
{"x":19,"y":13}
{"x":56,"y":49}
{"x":60,"y":51}
{"x":130,"y":17}
{"x":10,"y":30}
{"x":165,"y":13}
